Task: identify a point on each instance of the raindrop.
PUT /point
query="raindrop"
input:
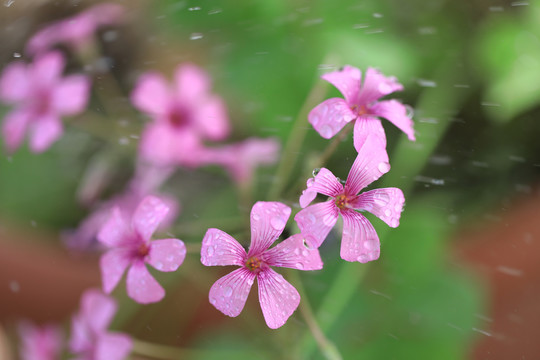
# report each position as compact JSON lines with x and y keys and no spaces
{"x":277,"y":223}
{"x":316,"y":171}
{"x":195,"y":36}
{"x":210,"y":250}
{"x":370,"y":244}
{"x":362,"y":258}
{"x":326,"y":131}
{"x":195,"y":8}
{"x":305,"y":253}
{"x":256,"y":217}
{"x":16,"y":55}
{"x":387,"y":212}
{"x":384,"y":167}
{"x":213,"y":301}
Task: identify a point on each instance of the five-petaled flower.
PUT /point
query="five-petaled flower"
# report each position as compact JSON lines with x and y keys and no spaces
{"x":184,"y":115}
{"x":360,"y":104}
{"x":40,"y":342}
{"x":360,"y":241}
{"x":278,"y":298}
{"x":130,"y":244}
{"x":40,"y":95}
{"x":90,"y":339}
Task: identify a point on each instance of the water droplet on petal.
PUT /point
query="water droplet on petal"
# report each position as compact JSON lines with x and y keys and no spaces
{"x":326,"y":131}
{"x":256,"y":217}
{"x":363,"y":258}
{"x":213,"y":301}
{"x":387,"y":212}
{"x":384,"y":167}
{"x":277,"y":223}
{"x":210,"y":250}
{"x":370,"y":244}
{"x":299,"y":266}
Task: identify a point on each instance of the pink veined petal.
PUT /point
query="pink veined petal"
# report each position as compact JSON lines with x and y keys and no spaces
{"x":166,"y":254}
{"x":113,"y":264}
{"x":112,"y":346}
{"x":229,"y":293}
{"x":347,"y":81}
{"x":151,"y":94}
{"x":396,"y":113}
{"x":365,"y":126}
{"x":14,"y":128}
{"x":219,"y":248}
{"x":370,"y":164}
{"x":115,"y":232}
{"x":97,"y":310}
{"x":211,"y":118}
{"x":148,"y":215}
{"x":385,"y":203}
{"x":330,"y":116}
{"x":47,"y":69}
{"x":326,"y":183}
{"x":71,"y":95}
{"x":44,"y":131}
{"x":316,"y":221}
{"x":268,"y":219}
{"x":278,"y":298}
{"x":360,"y":241}
{"x":292,"y":253}
{"x":192,"y":83}
{"x":141,"y":285}
{"x":308,"y":195}
{"x":376,"y":85}
{"x":14,"y":83}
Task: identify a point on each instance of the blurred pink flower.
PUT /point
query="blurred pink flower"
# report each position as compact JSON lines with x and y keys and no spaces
{"x":77,"y":30}
{"x":40,"y":342}
{"x":360,"y":241}
{"x":184,"y":115}
{"x":277,"y":297}
{"x":41,"y":96}
{"x":130,"y":246}
{"x":360,"y":104}
{"x":90,"y":339}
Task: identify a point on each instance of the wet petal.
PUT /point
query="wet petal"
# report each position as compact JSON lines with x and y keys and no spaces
{"x":211,"y":118}
{"x":148,"y":215}
{"x":14,"y":128}
{"x":278,"y":298}
{"x":376,"y":85}
{"x":396,"y":113}
{"x":386,"y":204}
{"x":166,"y":254}
{"x":268,"y":219}
{"x":112,"y":346}
{"x":316,"y":221}
{"x":44,"y":131}
{"x":219,"y":248}
{"x":370,"y":164}
{"x":347,"y":81}
{"x":229,"y":294}
{"x":326,"y":183}
{"x":162,"y":145}
{"x":308,"y":195}
{"x":192,"y":83}
{"x":293,"y":253}
{"x":360,"y":241}
{"x":113,"y":264}
{"x":47,"y":69}
{"x":151,"y":94}
{"x":71,"y":95}
{"x":115,"y":232}
{"x":14,"y":83}
{"x":141,"y":285}
{"x":97,"y":309}
{"x":366,"y":126}
{"x":330,"y":116}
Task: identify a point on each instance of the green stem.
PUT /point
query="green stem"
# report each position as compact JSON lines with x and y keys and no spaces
{"x":331,"y":148}
{"x":164,"y":352}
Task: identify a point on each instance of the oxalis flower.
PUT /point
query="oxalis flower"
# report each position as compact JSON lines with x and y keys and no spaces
{"x":360,"y":104}
{"x":40,"y":342}
{"x":130,"y":246}
{"x":360,"y":241}
{"x":278,"y":298}
{"x":41,"y":96}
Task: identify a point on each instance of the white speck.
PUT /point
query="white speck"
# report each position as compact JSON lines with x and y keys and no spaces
{"x":440,"y":160}
{"x":195,"y":36}
{"x":374,"y":31}
{"x":8,"y":3}
{"x":360,"y":26}
{"x":14,"y":286}
{"x":485,"y":103}
{"x":427,"y":30}
{"x":214,"y":11}
{"x":509,"y":271}
{"x":520,"y":3}
{"x":426,"y":83}
{"x":195,"y":8}
{"x":377,"y":15}
{"x":311,"y":22}
{"x":496,"y":8}
{"x":465,"y":86}
{"x":123,"y":140}
{"x":517,"y":158}
{"x":16,"y":55}
{"x":429,"y":180}
{"x":481,"y":331}
{"x":482,"y":317}
{"x":380,"y":294}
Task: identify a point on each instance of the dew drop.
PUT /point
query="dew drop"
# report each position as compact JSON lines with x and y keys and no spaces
{"x":363,"y":258}
{"x":387,"y":212}
{"x":210,"y":250}
{"x":256,"y":217}
{"x":384,"y":167}
{"x":277,"y":223}
{"x":326,"y":131}
{"x":305,"y":253}
{"x":370,"y":244}
{"x":213,"y":301}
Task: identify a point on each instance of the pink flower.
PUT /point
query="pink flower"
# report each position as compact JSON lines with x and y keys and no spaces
{"x":184,"y":115}
{"x":130,"y":246}
{"x":41,"y":96}
{"x":77,"y":30}
{"x":278,"y":298}
{"x":40,"y":342}
{"x":90,"y":339}
{"x":360,"y":241}
{"x":360,"y":104}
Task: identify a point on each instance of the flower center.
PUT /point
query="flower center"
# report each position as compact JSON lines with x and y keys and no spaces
{"x":143,"y":250}
{"x":359,"y":110}
{"x":178,"y":118}
{"x":341,"y":201}
{"x":254,"y":264}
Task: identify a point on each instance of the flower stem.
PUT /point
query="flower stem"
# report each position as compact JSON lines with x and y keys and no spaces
{"x":331,"y":148}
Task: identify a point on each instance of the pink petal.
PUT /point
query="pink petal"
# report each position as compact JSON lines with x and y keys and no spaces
{"x":44,"y":131}
{"x":330,"y":116}
{"x":360,"y":241}
{"x":219,"y":248}
{"x":326,"y":183}
{"x":386,"y":204}
{"x":40,"y":342}
{"x":81,"y":337}
{"x":151,"y":94}
{"x":192,"y":83}
{"x":115,"y":232}
{"x":376,"y":85}
{"x":148,"y":215}
{"x":167,"y":254}
{"x":308,"y":195}
{"x":112,"y":346}
{"x":162,"y":145}
{"x":268,"y":219}
{"x":43,"y":39}
{"x":71,"y":95}
{"x":278,"y":298}
{"x":14,"y":83}
{"x":48,"y":68}
{"x":141,"y":286}
{"x":14,"y":128}
{"x":97,"y":309}
{"x":211,"y":118}
{"x":229,"y":294}
{"x":316,"y":221}
{"x":347,"y":81}
{"x":366,"y":126}
{"x":396,"y":113}
{"x":370,"y":164}
{"x":292,"y":253}
{"x":113,"y":264}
